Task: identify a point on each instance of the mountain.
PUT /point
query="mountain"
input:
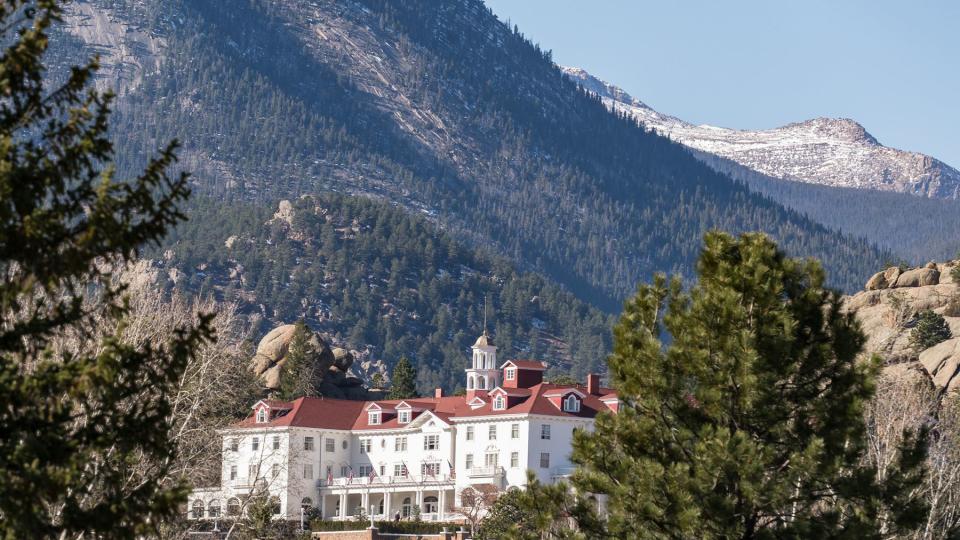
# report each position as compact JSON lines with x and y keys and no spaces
{"x":916,"y":229}
{"x":835,"y":152}
{"x":438,"y":108}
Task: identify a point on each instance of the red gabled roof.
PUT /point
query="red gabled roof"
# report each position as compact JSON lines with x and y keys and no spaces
{"x":343,"y":414}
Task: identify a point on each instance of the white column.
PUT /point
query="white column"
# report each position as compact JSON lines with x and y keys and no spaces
{"x":323,"y":506}
{"x":441,"y":502}
{"x":387,"y":515}
{"x":343,"y":504}
{"x":365,"y":501}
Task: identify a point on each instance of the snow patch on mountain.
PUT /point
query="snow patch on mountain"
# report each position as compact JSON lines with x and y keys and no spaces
{"x":829,"y":151}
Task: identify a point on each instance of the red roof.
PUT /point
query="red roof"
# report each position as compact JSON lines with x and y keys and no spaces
{"x":343,"y":414}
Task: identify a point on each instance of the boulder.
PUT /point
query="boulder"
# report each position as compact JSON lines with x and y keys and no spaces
{"x":342,"y":359}
{"x":877,"y":281}
{"x":931,"y":265}
{"x":272,"y":353}
{"x":942,"y":362}
{"x":918,"y":277}
{"x":891,"y":274}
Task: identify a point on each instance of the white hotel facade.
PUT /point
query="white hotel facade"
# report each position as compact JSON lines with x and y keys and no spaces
{"x":397,"y":456}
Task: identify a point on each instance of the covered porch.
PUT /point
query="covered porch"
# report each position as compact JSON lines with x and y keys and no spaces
{"x":434,"y":502}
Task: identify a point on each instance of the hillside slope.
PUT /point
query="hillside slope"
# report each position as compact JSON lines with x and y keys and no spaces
{"x":441,"y":109}
{"x":373,"y":278}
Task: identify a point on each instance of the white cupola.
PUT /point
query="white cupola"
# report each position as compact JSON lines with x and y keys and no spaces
{"x":483,"y":375}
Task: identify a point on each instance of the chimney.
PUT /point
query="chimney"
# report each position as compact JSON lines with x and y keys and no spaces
{"x":593,"y":384}
{"x":438,"y":393}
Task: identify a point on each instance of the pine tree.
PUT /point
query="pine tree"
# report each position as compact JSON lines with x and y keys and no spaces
{"x":930,"y":330}
{"x":747,"y":424}
{"x":404,"y":380}
{"x":299,"y":375}
{"x":76,"y":417}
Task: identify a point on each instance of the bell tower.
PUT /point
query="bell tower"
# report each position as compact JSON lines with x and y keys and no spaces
{"x":483,"y":375}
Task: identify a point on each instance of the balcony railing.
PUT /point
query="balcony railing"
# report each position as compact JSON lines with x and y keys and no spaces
{"x":384,"y":481}
{"x":563,"y":472}
{"x":484,"y":471}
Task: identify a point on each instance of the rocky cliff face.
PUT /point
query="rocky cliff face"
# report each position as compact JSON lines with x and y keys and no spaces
{"x":835,"y":152}
{"x":888,"y":309}
{"x":334,"y":377}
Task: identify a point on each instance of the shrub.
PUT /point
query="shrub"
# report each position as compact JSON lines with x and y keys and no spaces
{"x":391,"y":527}
{"x":930,"y":330}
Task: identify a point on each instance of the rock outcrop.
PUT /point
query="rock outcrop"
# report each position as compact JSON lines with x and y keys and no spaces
{"x":887,"y":310}
{"x":332,"y":367}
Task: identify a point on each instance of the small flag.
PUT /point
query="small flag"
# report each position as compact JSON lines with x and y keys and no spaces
{"x":329,"y":476}
{"x":405,"y":470}
{"x":453,"y":472}
{"x":373,"y":474}
{"x":350,"y":478}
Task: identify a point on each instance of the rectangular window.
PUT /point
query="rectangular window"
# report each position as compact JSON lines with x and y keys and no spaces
{"x":545,"y":432}
{"x":490,"y":460}
{"x":469,"y":433}
{"x":492,"y":432}
{"x":403,"y":417}
{"x":399,"y":469}
{"x":374,"y":418}
{"x":276,"y":442}
{"x":275,"y":470}
{"x":308,"y":472}
{"x":430,"y":469}
{"x":234,"y":444}
{"x":511,"y":373}
{"x":400,"y":444}
{"x":544,"y":460}
{"x":365,"y":446}
{"x":515,"y":431}
{"x":344,"y":470}
{"x":514,"y":459}
{"x":330,"y":445}
{"x":308,"y":444}
{"x":431,"y":442}
{"x":252,"y":472}
{"x":364,"y":471}
{"x":255,"y":444}
{"x":469,"y":464}
{"x":383,"y":470}
{"x":233,"y":472}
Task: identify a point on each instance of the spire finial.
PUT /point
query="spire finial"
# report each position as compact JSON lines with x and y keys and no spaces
{"x":485,"y":302}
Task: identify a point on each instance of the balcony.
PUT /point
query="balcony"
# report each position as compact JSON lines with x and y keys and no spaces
{"x":486,"y":475}
{"x":386,"y":481}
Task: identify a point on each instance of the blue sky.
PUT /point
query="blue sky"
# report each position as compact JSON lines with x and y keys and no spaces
{"x":750,"y":64}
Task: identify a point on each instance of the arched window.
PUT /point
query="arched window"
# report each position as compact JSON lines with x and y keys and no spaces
{"x":213,"y":509}
{"x":261,"y":416}
{"x":470,"y":382}
{"x":430,"y":505}
{"x":499,"y":403}
{"x":197,"y":509}
{"x":233,"y":507}
{"x":275,"y":505}
{"x":380,"y":507}
{"x":571,"y":404}
{"x":406,"y":507}
{"x":481,"y":383}
{"x":306,"y":503}
{"x":336,"y":508}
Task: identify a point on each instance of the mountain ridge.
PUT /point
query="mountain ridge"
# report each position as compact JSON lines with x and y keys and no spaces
{"x":837,"y":152}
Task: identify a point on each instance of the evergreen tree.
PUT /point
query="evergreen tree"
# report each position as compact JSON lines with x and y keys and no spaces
{"x":404,"y":383}
{"x":75,"y":417}
{"x":299,"y":374}
{"x":747,"y":424}
{"x":931,"y":329}
{"x":507,"y":517}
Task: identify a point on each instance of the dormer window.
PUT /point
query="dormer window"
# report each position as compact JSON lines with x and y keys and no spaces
{"x":511,"y":374}
{"x":571,"y":404}
{"x":373,"y":418}
{"x":499,"y":403}
{"x":262,"y":415}
{"x":403,"y":417}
